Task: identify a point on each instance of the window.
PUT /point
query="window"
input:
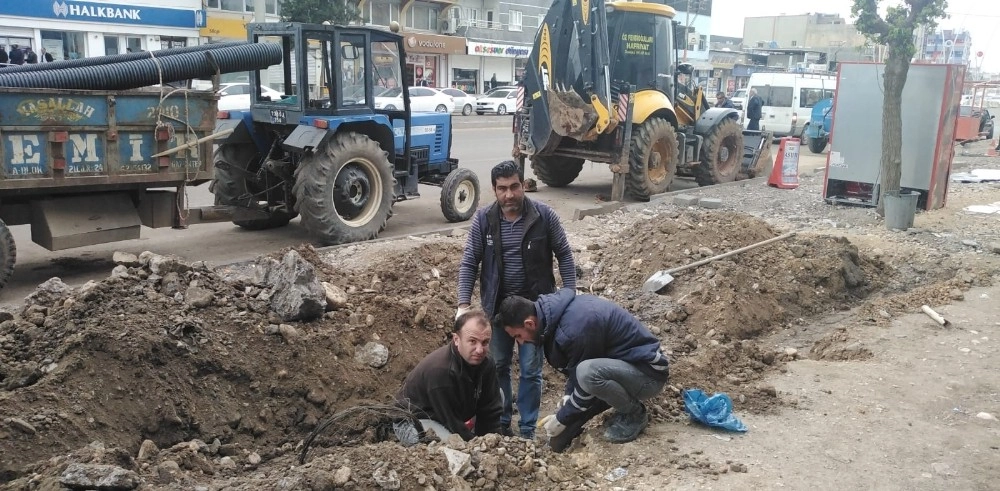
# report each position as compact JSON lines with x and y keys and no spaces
{"x":514,"y":22}
{"x":271,"y":6}
{"x":420,"y":92}
{"x":212,"y":4}
{"x":232,"y":5}
{"x":489,"y":19}
{"x":809,"y":97}
{"x":775,"y":96}
{"x":110,"y":45}
{"x":381,"y":13}
{"x":133,"y":44}
{"x":454,"y":92}
{"x":795,"y":43}
{"x":472,"y":16}
{"x":702,"y":42}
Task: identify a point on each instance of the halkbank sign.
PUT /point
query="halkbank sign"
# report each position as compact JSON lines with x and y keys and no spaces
{"x":73,"y":10}
{"x":501,"y":50}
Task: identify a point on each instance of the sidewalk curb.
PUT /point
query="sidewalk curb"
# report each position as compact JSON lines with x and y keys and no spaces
{"x":603,"y":209}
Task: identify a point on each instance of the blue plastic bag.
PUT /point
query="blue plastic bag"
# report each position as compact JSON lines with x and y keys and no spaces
{"x":714,"y":411}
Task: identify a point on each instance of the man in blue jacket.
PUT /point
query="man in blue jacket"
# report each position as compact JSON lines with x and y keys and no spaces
{"x":511,"y":247}
{"x":609,"y":357}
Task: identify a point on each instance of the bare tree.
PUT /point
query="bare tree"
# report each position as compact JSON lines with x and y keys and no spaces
{"x":895,"y":30}
{"x":338,"y":12}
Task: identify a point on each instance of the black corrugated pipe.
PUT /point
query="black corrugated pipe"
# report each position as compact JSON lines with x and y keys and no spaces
{"x":105,"y":60}
{"x":146,"y":72}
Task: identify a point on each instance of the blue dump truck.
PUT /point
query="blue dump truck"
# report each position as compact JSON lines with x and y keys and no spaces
{"x":817,"y":133}
{"x":100,"y":152}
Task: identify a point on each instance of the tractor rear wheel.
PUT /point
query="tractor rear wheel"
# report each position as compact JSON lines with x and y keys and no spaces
{"x":8,"y":254}
{"x":460,"y":195}
{"x":722,"y":155}
{"x":344,"y":190}
{"x":652,"y":159}
{"x":556,"y":171}
{"x":232,"y":188}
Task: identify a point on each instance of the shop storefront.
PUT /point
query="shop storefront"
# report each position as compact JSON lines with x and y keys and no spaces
{"x":488,"y":61}
{"x":427,"y":58}
{"x":69,"y":29}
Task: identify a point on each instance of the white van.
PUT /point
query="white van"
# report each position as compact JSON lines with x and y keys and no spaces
{"x":789,"y":98}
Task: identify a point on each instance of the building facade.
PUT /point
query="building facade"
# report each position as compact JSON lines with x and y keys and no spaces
{"x":695,"y":18}
{"x":828,"y":34}
{"x":70,"y":29}
{"x":946,"y":46}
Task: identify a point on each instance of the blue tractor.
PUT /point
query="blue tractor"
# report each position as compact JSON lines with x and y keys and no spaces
{"x":817,"y":132}
{"x":325,"y":150}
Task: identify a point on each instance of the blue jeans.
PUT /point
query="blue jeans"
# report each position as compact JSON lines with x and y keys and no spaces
{"x":529,"y":388}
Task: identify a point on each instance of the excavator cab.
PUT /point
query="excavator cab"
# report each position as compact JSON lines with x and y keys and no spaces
{"x":690,"y":103}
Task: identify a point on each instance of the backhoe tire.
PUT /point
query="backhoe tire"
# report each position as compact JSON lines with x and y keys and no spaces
{"x":232,"y":188}
{"x":8,"y":254}
{"x":460,"y":195}
{"x":652,"y":159}
{"x":722,"y":155}
{"x":344,"y":190}
{"x":556,"y":171}
{"x":817,"y":145}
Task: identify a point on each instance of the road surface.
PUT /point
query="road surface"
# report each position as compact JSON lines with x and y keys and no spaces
{"x":480,"y":142}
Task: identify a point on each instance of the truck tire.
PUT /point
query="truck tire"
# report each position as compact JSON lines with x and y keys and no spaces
{"x":817,"y":145}
{"x":231,"y":186}
{"x":652,"y":159}
{"x":722,"y":155}
{"x":344,"y":190}
{"x":556,"y":171}
{"x":460,"y":195}
{"x":8,"y":254}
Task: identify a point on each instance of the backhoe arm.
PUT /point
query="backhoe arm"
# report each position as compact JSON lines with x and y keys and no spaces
{"x":567,"y":78}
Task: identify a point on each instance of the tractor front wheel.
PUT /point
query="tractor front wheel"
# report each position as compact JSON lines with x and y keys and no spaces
{"x":344,"y":190}
{"x":460,"y":195}
{"x":722,"y":155}
{"x":652,"y":159}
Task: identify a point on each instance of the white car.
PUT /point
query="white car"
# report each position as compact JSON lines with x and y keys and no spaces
{"x":235,"y":96}
{"x":500,"y":102}
{"x":464,"y":103}
{"x":422,"y":100}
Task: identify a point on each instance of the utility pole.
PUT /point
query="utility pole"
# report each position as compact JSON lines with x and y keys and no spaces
{"x":690,"y":20}
{"x":259,"y":13}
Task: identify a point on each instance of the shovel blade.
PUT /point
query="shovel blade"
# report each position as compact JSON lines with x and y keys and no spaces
{"x":569,"y":114}
{"x":657,"y":281}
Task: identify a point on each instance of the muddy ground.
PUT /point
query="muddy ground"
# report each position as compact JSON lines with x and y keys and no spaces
{"x":177,"y":375}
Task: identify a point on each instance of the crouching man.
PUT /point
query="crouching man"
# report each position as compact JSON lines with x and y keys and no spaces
{"x":611,"y":360}
{"x":454,"y":388}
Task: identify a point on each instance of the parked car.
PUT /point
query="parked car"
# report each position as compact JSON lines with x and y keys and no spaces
{"x":739,"y":99}
{"x":464,"y":103}
{"x":501,"y":87}
{"x":233,"y":96}
{"x":500,"y":102}
{"x":422,"y":100}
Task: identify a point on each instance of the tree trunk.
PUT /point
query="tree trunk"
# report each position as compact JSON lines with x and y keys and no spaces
{"x":891,"y":166}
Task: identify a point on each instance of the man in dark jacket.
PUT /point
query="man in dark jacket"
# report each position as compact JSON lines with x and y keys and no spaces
{"x":512,"y":243}
{"x":722,"y":101}
{"x":754,"y":105}
{"x":610,"y":359}
{"x":457,"y":383}
{"x":16,"y":55}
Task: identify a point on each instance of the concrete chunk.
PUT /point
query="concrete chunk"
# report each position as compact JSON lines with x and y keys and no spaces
{"x":710,"y":203}
{"x":686,"y":200}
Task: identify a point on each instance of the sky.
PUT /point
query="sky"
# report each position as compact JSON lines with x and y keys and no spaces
{"x":979,"y":17}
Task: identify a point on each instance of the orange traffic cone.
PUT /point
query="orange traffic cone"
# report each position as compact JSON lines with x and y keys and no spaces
{"x":785,"y":173}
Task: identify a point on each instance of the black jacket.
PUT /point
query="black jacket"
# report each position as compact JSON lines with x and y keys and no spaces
{"x":446,"y":389}
{"x":753,"y":107}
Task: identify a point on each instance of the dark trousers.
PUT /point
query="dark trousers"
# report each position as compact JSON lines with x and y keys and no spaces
{"x":754,"y":125}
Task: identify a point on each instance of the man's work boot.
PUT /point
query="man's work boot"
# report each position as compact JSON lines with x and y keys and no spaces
{"x":627,"y":427}
{"x":562,"y":441}
{"x":505,"y":430}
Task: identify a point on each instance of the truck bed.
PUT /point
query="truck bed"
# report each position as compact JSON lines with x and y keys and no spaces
{"x":57,"y":141}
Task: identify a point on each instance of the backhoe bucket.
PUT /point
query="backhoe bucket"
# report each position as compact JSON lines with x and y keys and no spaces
{"x":569,"y":114}
{"x":756,"y":153}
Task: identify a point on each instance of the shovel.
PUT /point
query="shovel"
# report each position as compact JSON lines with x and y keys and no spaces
{"x":662,"y":278}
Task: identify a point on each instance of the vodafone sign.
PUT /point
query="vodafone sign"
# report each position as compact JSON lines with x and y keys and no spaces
{"x":499,"y":50}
